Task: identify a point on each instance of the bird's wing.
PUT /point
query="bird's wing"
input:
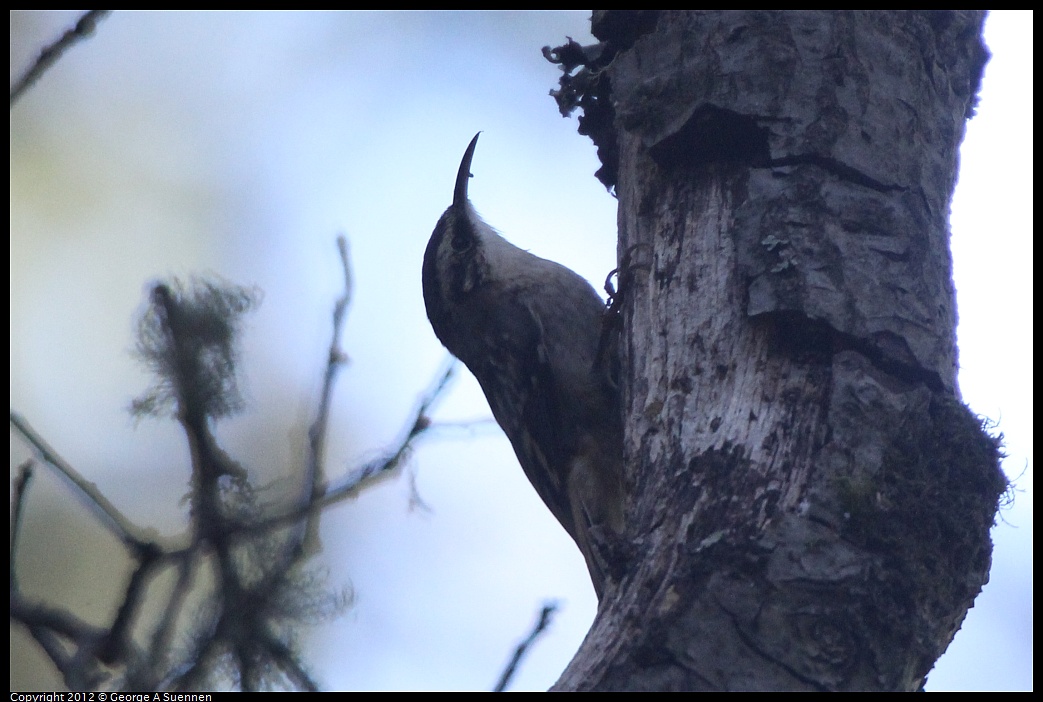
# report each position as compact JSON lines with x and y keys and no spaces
{"x":519,"y":383}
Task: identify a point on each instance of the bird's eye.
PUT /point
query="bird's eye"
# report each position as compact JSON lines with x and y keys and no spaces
{"x":460,"y":242}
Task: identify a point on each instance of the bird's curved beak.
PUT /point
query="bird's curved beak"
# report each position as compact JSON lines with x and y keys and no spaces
{"x":464,"y":174}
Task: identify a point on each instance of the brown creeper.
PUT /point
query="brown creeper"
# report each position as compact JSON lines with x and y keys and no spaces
{"x":530,"y":330}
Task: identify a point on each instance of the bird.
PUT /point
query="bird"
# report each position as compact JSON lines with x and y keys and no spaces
{"x":533,"y":334}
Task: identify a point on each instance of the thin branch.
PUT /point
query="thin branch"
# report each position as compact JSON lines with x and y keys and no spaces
{"x":76,"y":675}
{"x":21,"y":488}
{"x":115,"y":645}
{"x":315,"y":477}
{"x":357,"y":479}
{"x":290,"y":666}
{"x":54,"y":629}
{"x":50,"y":54}
{"x":163,"y":636}
{"x":335,"y":361}
{"x":55,"y":620}
{"x":420,"y":423}
{"x":249,"y":670}
{"x":119,"y":525}
{"x":202,"y":662}
{"x":544,"y":620}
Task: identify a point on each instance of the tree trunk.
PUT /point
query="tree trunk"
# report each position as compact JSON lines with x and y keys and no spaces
{"x":809,"y":503}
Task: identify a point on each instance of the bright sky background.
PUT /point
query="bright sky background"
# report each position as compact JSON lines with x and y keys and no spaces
{"x":241,"y":144}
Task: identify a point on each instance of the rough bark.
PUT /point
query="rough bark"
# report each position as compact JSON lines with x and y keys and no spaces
{"x":809,"y":503}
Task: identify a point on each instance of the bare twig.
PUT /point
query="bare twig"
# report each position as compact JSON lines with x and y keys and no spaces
{"x":84,"y":28}
{"x":21,"y":487}
{"x":544,"y":620}
{"x":56,"y":620}
{"x":54,"y":630}
{"x":76,"y":674}
{"x":290,"y":666}
{"x":421,"y":422}
{"x":163,"y":636}
{"x":115,"y":645}
{"x":335,"y":361}
{"x":315,"y":478}
{"x":357,"y":479}
{"x":118,"y":524}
